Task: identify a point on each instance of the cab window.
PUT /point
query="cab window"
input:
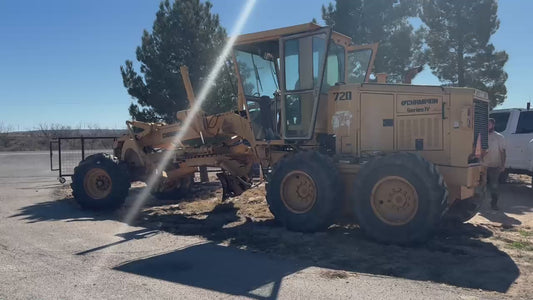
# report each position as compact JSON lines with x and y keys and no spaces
{"x":258,"y":74}
{"x":334,"y":67}
{"x":358,"y":63}
{"x":292,"y":65}
{"x":295,"y":69}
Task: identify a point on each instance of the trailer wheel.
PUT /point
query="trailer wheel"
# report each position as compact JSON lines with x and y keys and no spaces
{"x":303,"y":192}
{"x":177,"y":192}
{"x":399,"y":198}
{"x":100,"y":182}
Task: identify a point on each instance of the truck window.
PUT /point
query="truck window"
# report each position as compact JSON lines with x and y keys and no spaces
{"x":501,"y":120}
{"x":525,"y":122}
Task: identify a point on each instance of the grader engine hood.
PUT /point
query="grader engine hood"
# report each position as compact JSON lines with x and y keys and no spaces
{"x":443,"y":124}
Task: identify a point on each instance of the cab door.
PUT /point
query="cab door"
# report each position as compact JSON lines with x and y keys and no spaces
{"x":302,"y":63}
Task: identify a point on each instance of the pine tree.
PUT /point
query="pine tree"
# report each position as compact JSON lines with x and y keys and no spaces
{"x":383,"y":21}
{"x":183,"y":33}
{"x":459,"y":49}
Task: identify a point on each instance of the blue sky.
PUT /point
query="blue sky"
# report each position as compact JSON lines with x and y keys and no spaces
{"x":60,"y":59}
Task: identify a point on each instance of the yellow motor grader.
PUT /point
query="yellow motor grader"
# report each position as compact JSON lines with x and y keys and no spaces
{"x":394,"y":157}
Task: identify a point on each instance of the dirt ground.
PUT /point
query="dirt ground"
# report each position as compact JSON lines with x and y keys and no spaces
{"x":492,"y":253}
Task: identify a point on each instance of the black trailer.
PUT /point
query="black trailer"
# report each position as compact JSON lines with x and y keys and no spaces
{"x":67,"y":152}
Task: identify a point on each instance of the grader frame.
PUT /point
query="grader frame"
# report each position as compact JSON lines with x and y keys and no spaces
{"x":327,"y":142}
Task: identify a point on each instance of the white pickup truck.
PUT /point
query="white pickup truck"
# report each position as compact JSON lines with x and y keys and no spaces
{"x":516,"y":125}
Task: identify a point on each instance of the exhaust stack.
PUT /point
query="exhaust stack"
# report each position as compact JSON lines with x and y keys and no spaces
{"x":411,"y":74}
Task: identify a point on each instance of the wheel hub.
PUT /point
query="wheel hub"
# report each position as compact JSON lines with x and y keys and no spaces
{"x":394,"y":200}
{"x":97,"y":183}
{"x":298,"y":192}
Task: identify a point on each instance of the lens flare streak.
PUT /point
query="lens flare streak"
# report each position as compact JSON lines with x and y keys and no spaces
{"x":206,"y":88}
{"x":141,"y":199}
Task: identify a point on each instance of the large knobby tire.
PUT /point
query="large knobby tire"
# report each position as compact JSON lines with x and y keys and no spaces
{"x":399,"y":198}
{"x":100,"y":182}
{"x":177,"y":192}
{"x":303,"y":192}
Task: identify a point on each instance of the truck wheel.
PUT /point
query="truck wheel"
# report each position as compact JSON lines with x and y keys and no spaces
{"x":399,"y":198}
{"x":100,"y":182}
{"x":303,"y":192}
{"x":177,"y":192}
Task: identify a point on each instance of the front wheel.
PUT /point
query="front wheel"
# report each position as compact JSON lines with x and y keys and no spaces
{"x":399,"y":198}
{"x":100,"y":182}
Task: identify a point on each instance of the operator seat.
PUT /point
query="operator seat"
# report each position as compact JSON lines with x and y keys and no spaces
{"x":266,"y":117}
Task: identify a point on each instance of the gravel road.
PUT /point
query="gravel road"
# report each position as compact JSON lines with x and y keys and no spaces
{"x":51,"y":249}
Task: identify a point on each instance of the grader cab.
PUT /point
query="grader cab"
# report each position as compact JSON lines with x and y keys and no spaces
{"x":395,"y":158}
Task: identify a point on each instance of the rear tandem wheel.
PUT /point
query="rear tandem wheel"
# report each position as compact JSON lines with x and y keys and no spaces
{"x":303,"y":192}
{"x":399,"y":198}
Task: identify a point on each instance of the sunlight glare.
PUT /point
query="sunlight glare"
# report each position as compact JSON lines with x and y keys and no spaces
{"x":143,"y":196}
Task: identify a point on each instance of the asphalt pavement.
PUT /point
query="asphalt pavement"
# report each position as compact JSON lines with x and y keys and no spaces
{"x":50,"y":249}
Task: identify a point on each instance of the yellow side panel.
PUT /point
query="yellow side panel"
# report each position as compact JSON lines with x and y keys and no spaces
{"x":419,"y":122}
{"x":427,"y":130}
{"x":347,"y":146}
{"x":377,"y":122}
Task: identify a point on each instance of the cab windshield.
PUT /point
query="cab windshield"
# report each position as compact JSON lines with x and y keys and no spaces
{"x":259,"y":77}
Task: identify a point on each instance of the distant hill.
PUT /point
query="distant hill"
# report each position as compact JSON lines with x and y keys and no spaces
{"x":40,"y":139}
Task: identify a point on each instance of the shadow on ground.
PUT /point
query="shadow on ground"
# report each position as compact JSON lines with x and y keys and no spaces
{"x":516,"y":199}
{"x":64,"y":209}
{"x":262,"y":252}
{"x":224,"y":269}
